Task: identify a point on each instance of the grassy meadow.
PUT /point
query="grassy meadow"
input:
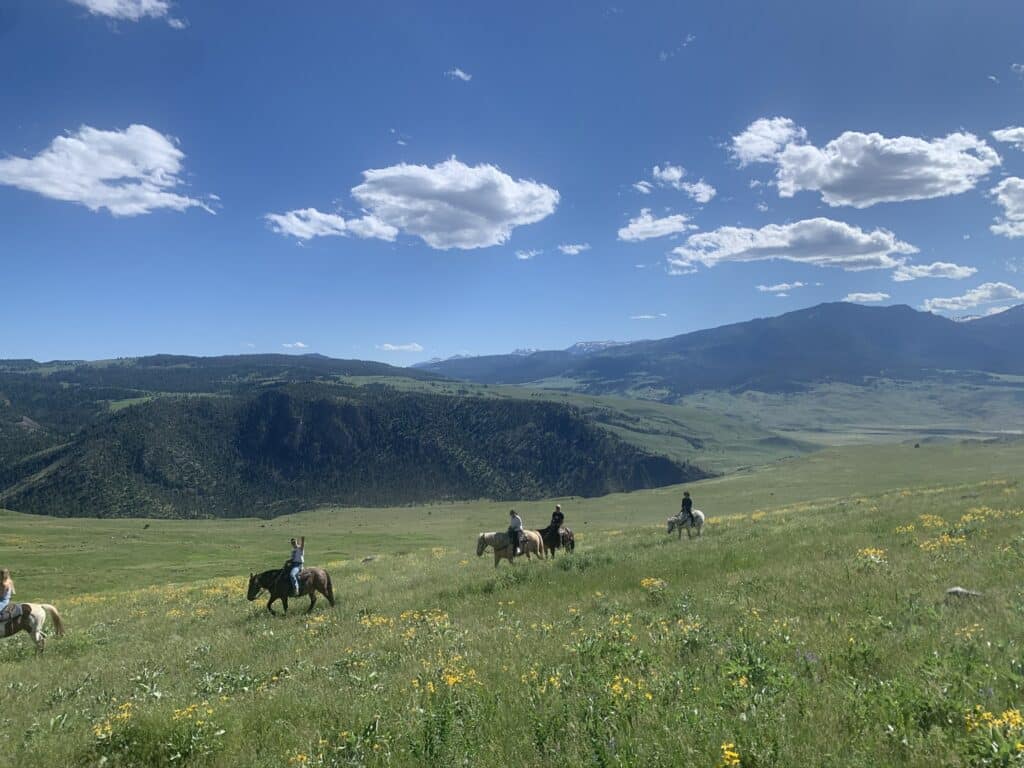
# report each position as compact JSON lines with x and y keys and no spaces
{"x":809,"y":626}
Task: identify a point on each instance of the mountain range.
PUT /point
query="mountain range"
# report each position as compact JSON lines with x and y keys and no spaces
{"x":829,"y":342}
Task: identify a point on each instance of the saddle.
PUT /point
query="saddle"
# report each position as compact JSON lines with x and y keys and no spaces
{"x":9,"y":619}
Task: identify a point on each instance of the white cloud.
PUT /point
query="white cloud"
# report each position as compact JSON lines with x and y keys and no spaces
{"x":454,"y":205}
{"x":865,"y":298}
{"x":672,"y":176}
{"x":645,"y":226}
{"x":128,"y":172}
{"x":781,"y":288}
{"x":527,"y":255}
{"x":657,"y":316}
{"x":307,"y":223}
{"x":643,"y":187}
{"x":457,"y":74}
{"x":862,"y":169}
{"x":820,"y":242}
{"x":131,"y":10}
{"x":1009,"y":193}
{"x":762,"y":207}
{"x":574,"y":249}
{"x":994,"y":79}
{"x":986,"y":293}
{"x":1017,"y":69}
{"x":906,"y":272}
{"x":410,"y":347}
{"x":448,"y":205}
{"x":296,"y":345}
{"x":763,"y":139}
{"x":1013,"y":135}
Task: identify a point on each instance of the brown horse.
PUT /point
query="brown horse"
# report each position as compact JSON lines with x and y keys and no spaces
{"x":31,"y":618}
{"x":278,"y":585}
{"x":555,"y":537}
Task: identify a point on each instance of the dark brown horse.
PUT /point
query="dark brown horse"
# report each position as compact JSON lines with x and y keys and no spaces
{"x":555,"y":537}
{"x":278,"y":585}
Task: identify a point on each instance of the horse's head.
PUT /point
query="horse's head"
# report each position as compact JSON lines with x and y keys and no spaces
{"x":481,"y":544}
{"x":254,"y":587}
{"x":671,"y":523}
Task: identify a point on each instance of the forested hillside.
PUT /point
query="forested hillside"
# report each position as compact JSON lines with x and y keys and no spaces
{"x":288,"y":447}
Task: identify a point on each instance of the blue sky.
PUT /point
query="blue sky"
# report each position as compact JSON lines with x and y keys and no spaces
{"x":394,"y":181}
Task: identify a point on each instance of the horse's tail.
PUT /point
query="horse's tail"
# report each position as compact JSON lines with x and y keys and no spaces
{"x":54,"y":614}
{"x":330,"y":589}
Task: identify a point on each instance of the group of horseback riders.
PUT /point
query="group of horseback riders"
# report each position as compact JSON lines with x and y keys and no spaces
{"x":515,"y":528}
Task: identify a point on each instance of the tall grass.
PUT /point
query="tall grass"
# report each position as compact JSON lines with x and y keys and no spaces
{"x":803,"y":633}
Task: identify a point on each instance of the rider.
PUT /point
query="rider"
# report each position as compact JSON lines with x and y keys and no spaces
{"x":515,"y":530}
{"x":7,"y":590}
{"x":686,"y":513}
{"x":295,"y":563}
{"x":557,"y":518}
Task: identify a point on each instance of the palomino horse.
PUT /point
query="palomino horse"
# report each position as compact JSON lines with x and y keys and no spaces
{"x":533,"y":544}
{"x":31,"y":619}
{"x":555,"y":537}
{"x":277,"y":583}
{"x":677,"y":523}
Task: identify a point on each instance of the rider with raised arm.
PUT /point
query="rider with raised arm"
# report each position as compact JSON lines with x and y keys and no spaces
{"x":295,"y":563}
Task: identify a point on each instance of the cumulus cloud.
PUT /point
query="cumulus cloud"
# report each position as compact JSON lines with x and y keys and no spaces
{"x":782,"y":289}
{"x":645,"y":226}
{"x":574,"y":249}
{"x":129,"y":172}
{"x":527,"y":255}
{"x":307,"y":223}
{"x":907,"y":272}
{"x":448,"y":205}
{"x":1009,"y":193}
{"x":410,"y":347}
{"x":986,"y":293}
{"x":296,"y":345}
{"x":819,"y":242}
{"x":657,"y":316}
{"x":131,"y":10}
{"x":457,"y":74}
{"x":1017,"y":69}
{"x":865,"y":298}
{"x":1013,"y":135}
{"x":862,"y":169}
{"x":673,"y":175}
{"x":763,"y":139}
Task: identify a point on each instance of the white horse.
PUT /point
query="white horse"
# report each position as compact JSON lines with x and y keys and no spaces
{"x":677,"y":523}
{"x":31,"y":617}
{"x":533,"y":544}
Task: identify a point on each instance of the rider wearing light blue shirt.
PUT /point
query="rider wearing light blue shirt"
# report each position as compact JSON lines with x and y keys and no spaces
{"x":6,"y":589}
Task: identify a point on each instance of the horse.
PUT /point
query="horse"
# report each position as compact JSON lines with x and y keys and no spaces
{"x":533,"y":544}
{"x":555,"y":537}
{"x":676,"y":522}
{"x":31,"y":620}
{"x":279,"y":586}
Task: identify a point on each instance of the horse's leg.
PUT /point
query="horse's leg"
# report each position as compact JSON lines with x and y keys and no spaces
{"x":270,"y":603}
{"x":284,"y":602}
{"x":312,"y":600}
